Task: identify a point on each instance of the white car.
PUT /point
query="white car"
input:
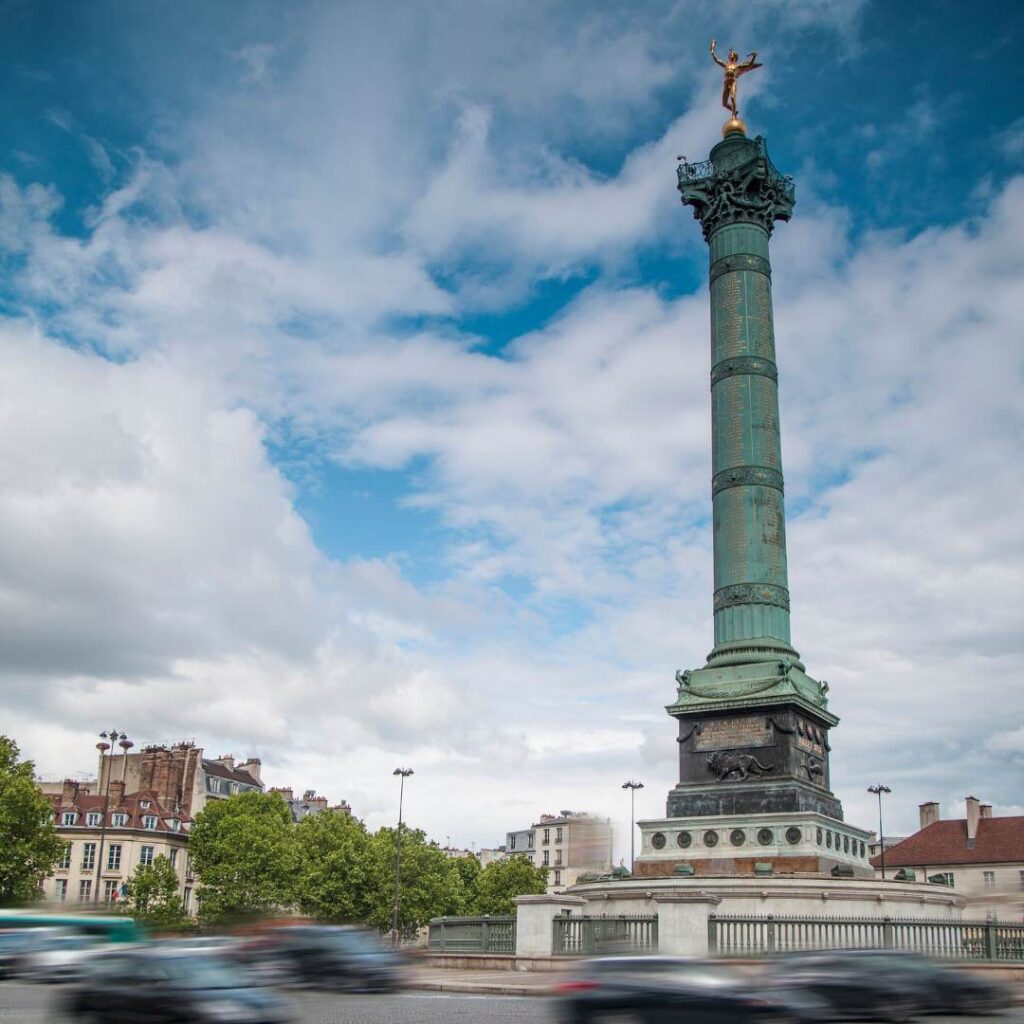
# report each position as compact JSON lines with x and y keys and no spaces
{"x":60,"y":957}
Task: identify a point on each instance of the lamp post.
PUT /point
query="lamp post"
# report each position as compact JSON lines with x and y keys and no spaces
{"x":403,"y":774}
{"x":632,"y":787}
{"x":879,"y":790}
{"x":103,"y":746}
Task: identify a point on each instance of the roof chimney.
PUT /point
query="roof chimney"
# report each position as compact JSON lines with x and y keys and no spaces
{"x":986,"y":810}
{"x":973,"y":816}
{"x":228,"y":760}
{"x":116,"y":793}
{"x":69,"y":791}
{"x":253,"y":766}
{"x":929,"y":813}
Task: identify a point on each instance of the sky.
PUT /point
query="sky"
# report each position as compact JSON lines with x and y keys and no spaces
{"x":354,"y":400}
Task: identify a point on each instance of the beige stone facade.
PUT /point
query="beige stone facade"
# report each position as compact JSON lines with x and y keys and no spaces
{"x":568,"y":844}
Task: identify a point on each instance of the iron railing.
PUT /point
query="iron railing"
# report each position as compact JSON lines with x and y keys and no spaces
{"x":472,"y":935}
{"x":740,"y":935}
{"x":586,"y":936}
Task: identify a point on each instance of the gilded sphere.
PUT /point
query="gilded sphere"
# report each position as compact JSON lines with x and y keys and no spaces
{"x":734,"y":124}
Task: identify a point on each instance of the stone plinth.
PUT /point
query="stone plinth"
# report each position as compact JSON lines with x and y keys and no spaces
{"x":534,"y":916}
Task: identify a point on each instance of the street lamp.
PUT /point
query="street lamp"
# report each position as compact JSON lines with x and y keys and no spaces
{"x":879,"y":790}
{"x":632,"y":787}
{"x":121,"y":739}
{"x":403,"y":774}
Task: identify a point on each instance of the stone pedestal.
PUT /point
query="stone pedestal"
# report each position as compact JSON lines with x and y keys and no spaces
{"x":534,"y":914}
{"x":683,"y":922}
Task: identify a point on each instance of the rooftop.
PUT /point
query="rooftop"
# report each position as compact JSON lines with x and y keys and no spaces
{"x":998,"y":840}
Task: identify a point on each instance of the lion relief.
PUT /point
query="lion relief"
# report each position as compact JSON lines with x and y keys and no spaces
{"x":726,"y":763}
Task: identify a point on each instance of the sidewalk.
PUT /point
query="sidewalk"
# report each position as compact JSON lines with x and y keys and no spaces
{"x":484,"y":983}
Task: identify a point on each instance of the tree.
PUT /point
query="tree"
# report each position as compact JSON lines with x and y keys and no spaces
{"x":469,"y":872}
{"x":335,"y":872}
{"x":29,"y":845}
{"x":151,"y":895}
{"x":502,"y":880}
{"x":245,"y":855}
{"x":431,"y":883}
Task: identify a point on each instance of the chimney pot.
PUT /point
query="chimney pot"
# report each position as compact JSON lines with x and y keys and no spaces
{"x":929,"y":813}
{"x":973,"y":816}
{"x":986,"y":810}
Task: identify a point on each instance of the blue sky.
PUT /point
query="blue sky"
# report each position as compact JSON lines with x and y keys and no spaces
{"x":356,"y":401}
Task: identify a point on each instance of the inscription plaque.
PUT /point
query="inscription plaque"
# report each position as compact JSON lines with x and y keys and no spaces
{"x":727,"y":733}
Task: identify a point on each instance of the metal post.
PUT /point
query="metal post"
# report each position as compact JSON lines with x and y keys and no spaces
{"x":103,"y":746}
{"x":632,"y":787}
{"x":403,"y":773}
{"x":880,"y":789}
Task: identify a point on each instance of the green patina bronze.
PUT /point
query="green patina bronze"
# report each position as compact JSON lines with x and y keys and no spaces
{"x":737,"y":196}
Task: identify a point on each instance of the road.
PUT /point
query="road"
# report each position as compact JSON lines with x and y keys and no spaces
{"x":33,"y":1004}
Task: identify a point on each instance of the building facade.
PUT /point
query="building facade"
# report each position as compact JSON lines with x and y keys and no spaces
{"x":979,"y":856}
{"x":568,"y":844}
{"x":311,"y":803}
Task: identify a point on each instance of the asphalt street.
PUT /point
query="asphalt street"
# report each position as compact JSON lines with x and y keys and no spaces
{"x":34,"y":1004}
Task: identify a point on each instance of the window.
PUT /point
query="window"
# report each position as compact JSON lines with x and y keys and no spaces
{"x":530,"y":839}
{"x":149,"y":821}
{"x":119,"y":820}
{"x":943,"y":878}
{"x":558,"y":878}
{"x":114,"y":857}
{"x":88,"y":856}
{"x":175,"y":824}
{"x":189,"y":873}
{"x":547,"y":836}
{"x":65,"y":857}
{"x":146,"y":855}
{"x":85,"y":889}
{"x":93,"y":818}
{"x":144,"y":804}
{"x":558,"y":834}
{"x":186,"y":899}
{"x":173,"y":854}
{"x":1022,"y":881}
{"x":990,"y":879}
{"x":558,"y":856}
{"x":60,"y":889}
{"x":110,"y":890}
{"x":547,"y":857}
{"x":511,"y":842}
{"x":68,"y":818}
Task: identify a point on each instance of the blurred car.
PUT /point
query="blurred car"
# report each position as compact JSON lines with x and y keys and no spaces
{"x":16,"y":943}
{"x":59,"y":957}
{"x":853,"y":987}
{"x":660,"y":990}
{"x":323,"y":956}
{"x":944,"y":988}
{"x":153,"y":985}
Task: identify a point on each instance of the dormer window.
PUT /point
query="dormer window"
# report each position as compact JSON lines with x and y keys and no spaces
{"x":175,"y":824}
{"x":144,"y":804}
{"x":68,"y":818}
{"x":149,"y":821}
{"x":93,"y":818}
{"x":119,"y":820}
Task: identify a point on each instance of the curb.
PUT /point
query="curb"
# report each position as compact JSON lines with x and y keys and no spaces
{"x":482,"y":989}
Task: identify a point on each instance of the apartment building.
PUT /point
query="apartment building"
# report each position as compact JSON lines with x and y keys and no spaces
{"x":568,"y":844}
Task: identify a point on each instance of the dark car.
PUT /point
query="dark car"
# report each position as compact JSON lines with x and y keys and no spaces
{"x":17,"y":943}
{"x":668,"y":990}
{"x":149,"y":985}
{"x":328,"y":957}
{"x":854,"y":988}
{"x":944,"y":988}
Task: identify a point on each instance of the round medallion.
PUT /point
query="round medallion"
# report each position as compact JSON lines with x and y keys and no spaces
{"x":658,"y":840}
{"x":737,"y":837}
{"x":711,"y":837}
{"x":793,"y":835}
{"x":828,"y":840}
{"x":846,"y":844}
{"x":765,"y":836}
{"x":819,"y":837}
{"x":684,"y":839}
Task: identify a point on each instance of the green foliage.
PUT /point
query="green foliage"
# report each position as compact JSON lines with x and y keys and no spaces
{"x":501,"y":881}
{"x":335,"y":871}
{"x":469,"y":872}
{"x":431,"y":883}
{"x":245,"y":853}
{"x":151,"y":895}
{"x":29,"y":845}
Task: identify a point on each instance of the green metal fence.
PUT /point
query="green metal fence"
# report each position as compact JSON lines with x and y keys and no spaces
{"x":472,"y":935}
{"x":740,"y":935}
{"x":586,"y":936}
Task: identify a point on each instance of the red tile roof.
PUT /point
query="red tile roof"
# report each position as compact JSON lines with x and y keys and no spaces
{"x":131,"y":805}
{"x":999,"y":840}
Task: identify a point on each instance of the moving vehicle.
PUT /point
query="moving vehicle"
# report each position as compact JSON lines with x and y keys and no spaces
{"x":324,"y":956}
{"x":139,"y":986}
{"x":16,"y":944}
{"x":669,"y":990}
{"x":61,"y":956}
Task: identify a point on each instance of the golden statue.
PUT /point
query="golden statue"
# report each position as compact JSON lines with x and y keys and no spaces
{"x":733,"y":69}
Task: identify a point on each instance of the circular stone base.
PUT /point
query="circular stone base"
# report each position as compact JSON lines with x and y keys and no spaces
{"x":792,"y":897}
